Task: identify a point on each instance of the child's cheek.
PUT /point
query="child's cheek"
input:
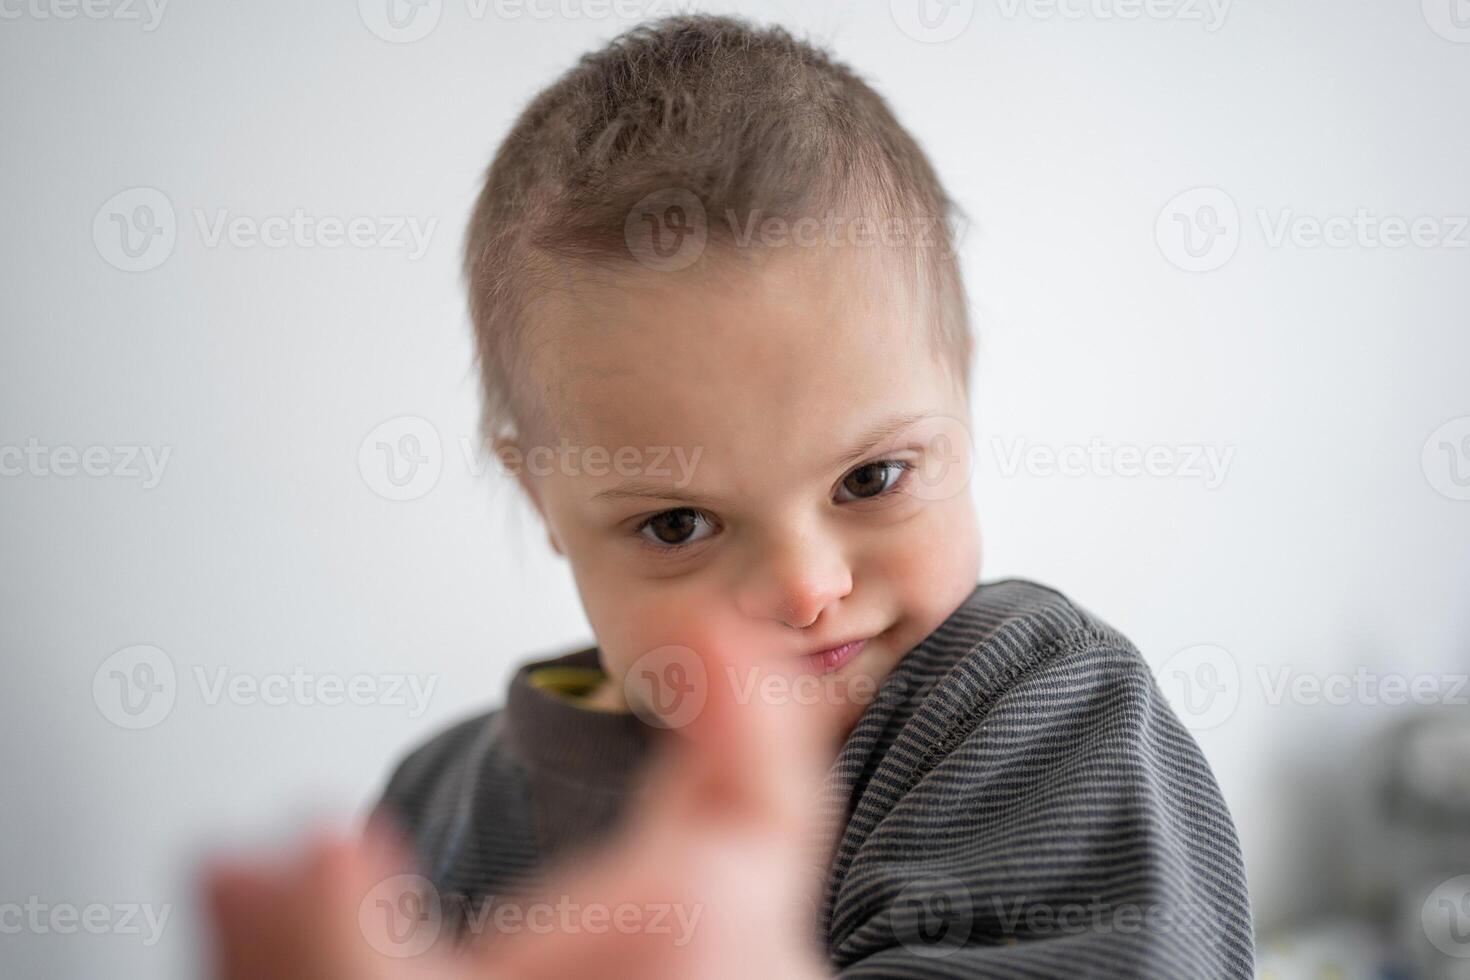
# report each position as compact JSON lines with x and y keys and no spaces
{"x":685,"y":657}
{"x":942,"y":552}
{"x":632,"y":631}
{"x":713,"y":632}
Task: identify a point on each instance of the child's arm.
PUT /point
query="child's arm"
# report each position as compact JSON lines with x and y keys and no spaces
{"x":1071,"y":828}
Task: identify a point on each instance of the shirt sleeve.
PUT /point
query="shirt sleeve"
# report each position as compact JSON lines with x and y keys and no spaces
{"x":1069,"y":828}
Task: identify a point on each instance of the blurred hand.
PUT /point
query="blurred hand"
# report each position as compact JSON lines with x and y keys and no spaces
{"x":720,"y":840}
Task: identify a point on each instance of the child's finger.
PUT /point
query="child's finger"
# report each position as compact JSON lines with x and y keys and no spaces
{"x":244,"y":905}
{"x":296,"y":917}
{"x":755,"y":749}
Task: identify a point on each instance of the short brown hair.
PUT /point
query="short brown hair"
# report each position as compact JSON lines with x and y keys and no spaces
{"x":747,"y":119}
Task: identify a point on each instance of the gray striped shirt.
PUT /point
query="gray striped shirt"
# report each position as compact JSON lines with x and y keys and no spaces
{"x":1018,"y":801}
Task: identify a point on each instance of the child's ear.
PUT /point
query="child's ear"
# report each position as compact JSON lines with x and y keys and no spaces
{"x":508,"y":451}
{"x":530,"y":490}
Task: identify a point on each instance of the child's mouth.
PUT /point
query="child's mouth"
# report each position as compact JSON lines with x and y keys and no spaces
{"x":825,"y":661}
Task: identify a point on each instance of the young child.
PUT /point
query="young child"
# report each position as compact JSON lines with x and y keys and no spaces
{"x":725,"y":350}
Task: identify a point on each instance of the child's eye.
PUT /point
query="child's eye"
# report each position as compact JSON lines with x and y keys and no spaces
{"x":874,"y":479}
{"x":673,"y":529}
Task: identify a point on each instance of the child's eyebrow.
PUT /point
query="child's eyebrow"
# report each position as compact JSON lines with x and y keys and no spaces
{"x":655,"y":489}
{"x":885,"y":429}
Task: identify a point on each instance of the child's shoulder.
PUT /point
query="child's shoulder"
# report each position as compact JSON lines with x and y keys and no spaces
{"x":1010,"y":643}
{"x":429,"y":776}
{"x":1014,"y":623}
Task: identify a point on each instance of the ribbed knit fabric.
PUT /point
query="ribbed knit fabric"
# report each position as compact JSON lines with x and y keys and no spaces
{"x":1018,"y":801}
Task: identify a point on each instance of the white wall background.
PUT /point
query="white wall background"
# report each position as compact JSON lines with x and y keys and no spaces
{"x":1329,"y":546}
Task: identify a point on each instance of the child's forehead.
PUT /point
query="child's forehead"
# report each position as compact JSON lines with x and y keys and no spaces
{"x":775,"y":306}
{"x":745,"y":347}
{"x":732,"y":272}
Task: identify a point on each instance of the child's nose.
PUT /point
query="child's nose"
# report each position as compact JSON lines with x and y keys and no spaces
{"x":794,"y":583}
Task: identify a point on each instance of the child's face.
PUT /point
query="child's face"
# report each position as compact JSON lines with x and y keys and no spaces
{"x":717,"y":403}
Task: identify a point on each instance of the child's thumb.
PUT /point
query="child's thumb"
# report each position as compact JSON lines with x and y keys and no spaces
{"x":757,"y":745}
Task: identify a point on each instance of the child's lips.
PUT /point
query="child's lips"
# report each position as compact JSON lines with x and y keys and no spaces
{"x":831,"y":659}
